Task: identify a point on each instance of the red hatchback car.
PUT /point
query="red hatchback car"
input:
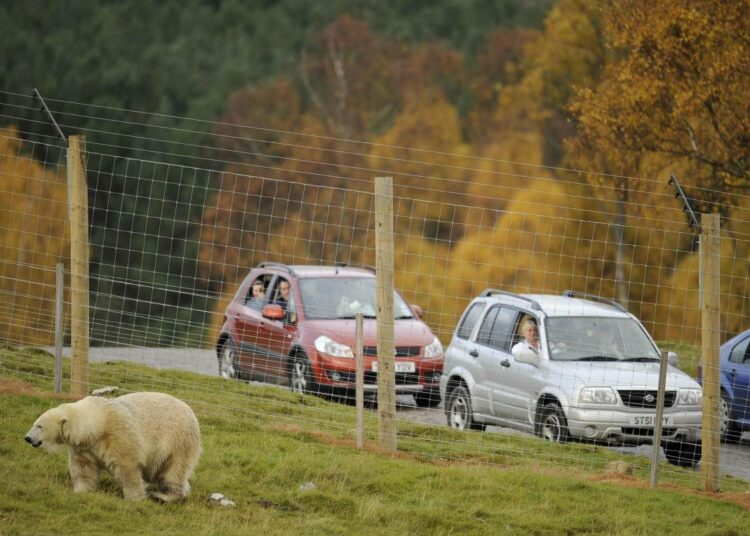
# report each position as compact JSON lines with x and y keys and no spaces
{"x":295,"y":325}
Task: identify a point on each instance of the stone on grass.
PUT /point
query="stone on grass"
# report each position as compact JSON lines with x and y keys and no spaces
{"x":308,"y":486}
{"x":102,"y":391}
{"x":618,"y":468}
{"x":221,"y":499}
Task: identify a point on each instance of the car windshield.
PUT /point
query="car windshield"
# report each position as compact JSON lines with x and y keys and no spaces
{"x":598,"y":339}
{"x":328,"y":298}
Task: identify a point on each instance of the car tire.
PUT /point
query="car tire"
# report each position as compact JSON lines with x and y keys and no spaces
{"x":683,"y":453}
{"x":427,"y":399}
{"x":300,"y":375}
{"x":228,"y":360}
{"x":729,"y":431}
{"x":552,"y":424}
{"x":459,"y":412}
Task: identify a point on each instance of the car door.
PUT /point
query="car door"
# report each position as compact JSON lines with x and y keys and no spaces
{"x":504,"y":375}
{"x":462,"y":354}
{"x":737,"y":370}
{"x":246,"y":321}
{"x":483,"y":362}
{"x":274,"y":339}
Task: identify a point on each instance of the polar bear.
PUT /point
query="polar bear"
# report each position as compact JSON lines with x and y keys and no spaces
{"x":139,"y":438}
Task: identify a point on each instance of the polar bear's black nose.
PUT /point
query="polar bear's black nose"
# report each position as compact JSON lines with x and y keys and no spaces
{"x":30,"y":441}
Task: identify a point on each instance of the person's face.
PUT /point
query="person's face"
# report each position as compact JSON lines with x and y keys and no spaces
{"x":257,"y":291}
{"x":531,"y":333}
{"x":284,"y":290}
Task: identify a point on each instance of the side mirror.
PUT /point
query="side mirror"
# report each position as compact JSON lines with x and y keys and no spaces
{"x":672,"y":359}
{"x":417,"y":310}
{"x":273,"y":311}
{"x":525,"y":355}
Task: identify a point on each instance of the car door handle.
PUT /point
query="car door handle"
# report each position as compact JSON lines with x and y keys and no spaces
{"x":474,"y":353}
{"x":505,"y":363}
{"x":732,"y":372}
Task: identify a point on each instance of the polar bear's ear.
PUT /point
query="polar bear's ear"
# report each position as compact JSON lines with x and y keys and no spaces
{"x":64,"y":428}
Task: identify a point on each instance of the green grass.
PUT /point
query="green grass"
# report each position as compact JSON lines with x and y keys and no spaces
{"x":687,"y":355}
{"x":262,"y":443}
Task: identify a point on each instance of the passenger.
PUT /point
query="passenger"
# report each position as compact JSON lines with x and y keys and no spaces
{"x":258,"y":292}
{"x":611,"y":345}
{"x":530,"y":341}
{"x":282,"y":297}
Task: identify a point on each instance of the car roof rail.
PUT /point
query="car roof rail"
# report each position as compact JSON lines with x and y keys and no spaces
{"x":593,"y":297}
{"x":279,"y":265}
{"x":346,"y":265}
{"x":488,"y":292}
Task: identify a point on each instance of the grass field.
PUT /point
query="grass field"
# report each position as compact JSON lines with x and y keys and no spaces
{"x":289,"y":463}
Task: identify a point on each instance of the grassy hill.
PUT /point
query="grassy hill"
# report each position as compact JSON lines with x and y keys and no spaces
{"x":290,"y":465}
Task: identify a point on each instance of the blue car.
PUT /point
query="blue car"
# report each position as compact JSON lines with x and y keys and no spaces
{"x":735,"y":387}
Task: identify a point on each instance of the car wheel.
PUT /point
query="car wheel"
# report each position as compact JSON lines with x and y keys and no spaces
{"x":729,"y":431}
{"x":552,"y":424}
{"x":683,"y":453}
{"x":300,"y":375}
{"x":427,"y":399}
{"x":460,"y":414}
{"x":228,"y":363}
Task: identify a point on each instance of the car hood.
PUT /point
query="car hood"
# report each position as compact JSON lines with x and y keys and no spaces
{"x":620,"y":374}
{"x":411,"y":332}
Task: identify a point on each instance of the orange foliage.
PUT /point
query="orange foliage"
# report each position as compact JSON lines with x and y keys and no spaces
{"x":34,"y":237}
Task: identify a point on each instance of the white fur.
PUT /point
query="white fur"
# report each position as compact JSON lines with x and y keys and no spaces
{"x":139,"y":438}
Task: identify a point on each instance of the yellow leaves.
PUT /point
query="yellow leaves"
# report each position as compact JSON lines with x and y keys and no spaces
{"x":34,"y":237}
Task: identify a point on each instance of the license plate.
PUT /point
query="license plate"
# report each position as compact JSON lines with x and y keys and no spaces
{"x":649,"y":420}
{"x":400,"y":366}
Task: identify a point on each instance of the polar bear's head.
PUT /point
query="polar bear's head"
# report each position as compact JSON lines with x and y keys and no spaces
{"x":69,"y":425}
{"x":49,"y":430}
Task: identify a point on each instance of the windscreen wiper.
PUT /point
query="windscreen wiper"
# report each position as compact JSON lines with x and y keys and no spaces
{"x":597,"y":358}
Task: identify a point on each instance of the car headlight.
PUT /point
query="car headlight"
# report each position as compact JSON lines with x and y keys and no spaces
{"x":433,"y":349}
{"x":689,"y":397}
{"x":597,"y":395}
{"x":326,"y":345}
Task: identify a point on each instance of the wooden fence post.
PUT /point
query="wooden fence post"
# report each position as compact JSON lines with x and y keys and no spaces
{"x":385,"y":345}
{"x":710,"y":338}
{"x":660,"y":395}
{"x":359,"y":381}
{"x":79,"y":265}
{"x":59,"y":309}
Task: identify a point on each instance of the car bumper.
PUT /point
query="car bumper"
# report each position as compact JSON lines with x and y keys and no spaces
{"x":425,"y":377}
{"x":618,"y":426}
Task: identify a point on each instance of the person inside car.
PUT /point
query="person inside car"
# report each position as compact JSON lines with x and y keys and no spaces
{"x":257,"y":293}
{"x":282,"y":297}
{"x":530,"y":340}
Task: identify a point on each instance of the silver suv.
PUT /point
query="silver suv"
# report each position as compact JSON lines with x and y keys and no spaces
{"x":594,"y":376}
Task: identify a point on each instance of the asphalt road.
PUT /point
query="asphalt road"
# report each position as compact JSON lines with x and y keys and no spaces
{"x":735,"y":459}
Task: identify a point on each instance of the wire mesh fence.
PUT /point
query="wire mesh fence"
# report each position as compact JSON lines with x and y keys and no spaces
{"x":251,"y":260}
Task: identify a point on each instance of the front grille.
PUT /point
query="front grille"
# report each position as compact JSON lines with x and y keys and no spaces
{"x":646,"y":399}
{"x":401,"y":351}
{"x":647,"y":432}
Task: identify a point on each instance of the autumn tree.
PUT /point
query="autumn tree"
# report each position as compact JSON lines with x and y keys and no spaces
{"x":33,"y":239}
{"x":679,"y":87}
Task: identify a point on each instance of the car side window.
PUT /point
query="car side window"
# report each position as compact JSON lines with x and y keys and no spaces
{"x":256,"y":292}
{"x":470,"y":320}
{"x":503,"y":329}
{"x":485,"y":331}
{"x":741,"y":353}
